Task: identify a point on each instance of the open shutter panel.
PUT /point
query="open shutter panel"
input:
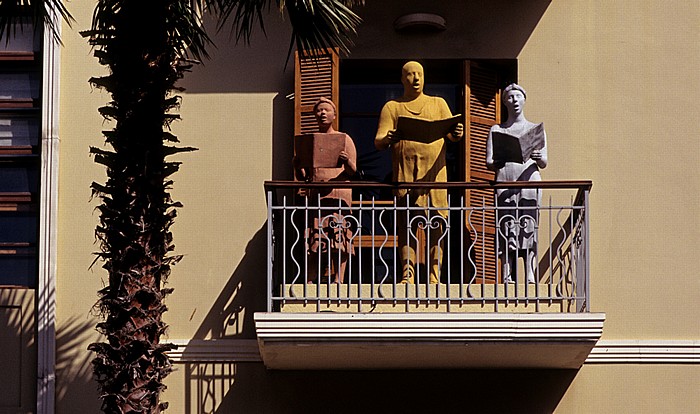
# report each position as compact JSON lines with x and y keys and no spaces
{"x":483,"y":110}
{"x":314,"y":78}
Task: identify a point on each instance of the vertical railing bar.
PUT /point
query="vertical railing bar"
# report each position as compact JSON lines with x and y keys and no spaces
{"x":573,"y":287}
{"x":536,"y":264}
{"x":307,"y":249}
{"x":408,"y":243}
{"x":373,"y":250}
{"x":528,"y":251}
{"x":551,"y":260}
{"x":348,"y":276}
{"x":498,"y":269}
{"x":359,"y":248}
{"x":462,"y":213}
{"x":428,"y":257}
{"x":396,"y":247}
{"x":319,"y":215}
{"x":329,"y":261}
{"x":586,"y":251}
{"x":270,"y":250}
{"x":483,"y":253}
{"x":561,"y":283}
{"x":449,"y":254}
{"x":515,"y":271}
{"x":338,"y":286}
{"x":284,"y":250}
{"x":426,"y":235}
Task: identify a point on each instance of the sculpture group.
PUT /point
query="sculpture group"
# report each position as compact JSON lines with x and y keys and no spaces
{"x":415,"y":128}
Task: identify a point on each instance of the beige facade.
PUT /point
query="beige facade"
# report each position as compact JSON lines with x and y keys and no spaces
{"x":615,"y":84}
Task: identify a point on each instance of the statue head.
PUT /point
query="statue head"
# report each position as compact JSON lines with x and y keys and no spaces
{"x":325,"y":113}
{"x":413,"y":79}
{"x":514,"y":98}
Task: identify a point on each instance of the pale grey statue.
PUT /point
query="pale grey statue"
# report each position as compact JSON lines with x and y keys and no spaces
{"x":517,"y":222}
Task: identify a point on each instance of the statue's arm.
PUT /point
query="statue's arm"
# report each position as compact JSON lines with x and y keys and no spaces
{"x":490,"y":162}
{"x":386,"y":129}
{"x":299,"y":172}
{"x":349,"y":156}
{"x":540,"y":156}
{"x":458,"y":132}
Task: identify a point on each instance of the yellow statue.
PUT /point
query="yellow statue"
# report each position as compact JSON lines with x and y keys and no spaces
{"x":417,"y":162}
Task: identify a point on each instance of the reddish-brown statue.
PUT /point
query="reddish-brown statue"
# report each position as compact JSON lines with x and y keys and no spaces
{"x":330,"y":233}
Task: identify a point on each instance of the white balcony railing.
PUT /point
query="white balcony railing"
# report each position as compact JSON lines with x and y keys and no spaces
{"x":456,"y":267}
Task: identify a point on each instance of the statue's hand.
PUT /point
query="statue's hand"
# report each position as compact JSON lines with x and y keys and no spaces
{"x":393,"y":136}
{"x":458,"y":130}
{"x":536,"y":155}
{"x":498,"y":164}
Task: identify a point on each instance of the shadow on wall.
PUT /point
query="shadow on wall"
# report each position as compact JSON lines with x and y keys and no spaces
{"x":497,"y":29}
{"x":248,"y":388}
{"x":237,"y":68}
{"x":76,"y":389}
{"x":231,"y":315}
{"x":76,"y":392}
{"x":255,"y":69}
{"x":18,"y":349}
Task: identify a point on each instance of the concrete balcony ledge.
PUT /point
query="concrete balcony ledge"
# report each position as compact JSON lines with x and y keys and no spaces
{"x":426,"y":340}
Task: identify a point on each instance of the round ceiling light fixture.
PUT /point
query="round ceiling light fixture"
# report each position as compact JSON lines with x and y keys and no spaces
{"x":420,"y":21}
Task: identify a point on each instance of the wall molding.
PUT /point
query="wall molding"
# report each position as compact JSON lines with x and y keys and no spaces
{"x":604,"y":352}
{"x":645,"y":352}
{"x":215,"y":350}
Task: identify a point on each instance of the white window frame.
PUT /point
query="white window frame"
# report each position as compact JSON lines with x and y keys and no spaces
{"x":48,"y":213}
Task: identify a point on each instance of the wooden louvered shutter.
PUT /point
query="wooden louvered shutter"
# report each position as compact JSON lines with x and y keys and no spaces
{"x":314,"y":78}
{"x":483,"y":109}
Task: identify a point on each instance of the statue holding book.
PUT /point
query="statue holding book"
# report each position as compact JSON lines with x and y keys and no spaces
{"x":516,"y":150}
{"x":328,"y":155}
{"x":415,"y":127}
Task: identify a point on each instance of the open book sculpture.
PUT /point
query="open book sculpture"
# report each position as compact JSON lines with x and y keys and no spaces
{"x":510,"y":148}
{"x":425,"y":131}
{"x":319,"y":150}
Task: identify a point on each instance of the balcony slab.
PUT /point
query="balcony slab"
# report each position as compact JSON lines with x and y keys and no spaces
{"x":333,"y":341}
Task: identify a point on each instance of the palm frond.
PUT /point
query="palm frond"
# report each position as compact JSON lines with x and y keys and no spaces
{"x":316,"y":24}
{"x":320,"y":24}
{"x":14,"y":13}
{"x":190,"y":36}
{"x":186,"y":34}
{"x":243,"y":15}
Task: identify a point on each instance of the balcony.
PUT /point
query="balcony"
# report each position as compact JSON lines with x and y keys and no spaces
{"x":468,"y":305}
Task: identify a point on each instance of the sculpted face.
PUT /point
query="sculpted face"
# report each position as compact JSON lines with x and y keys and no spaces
{"x":412,"y":79}
{"x":325,"y":114}
{"x":515,"y":101}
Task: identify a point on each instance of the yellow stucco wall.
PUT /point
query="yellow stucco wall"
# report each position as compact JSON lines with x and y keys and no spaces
{"x":615,"y":85}
{"x":610,"y":389}
{"x":613,"y":82}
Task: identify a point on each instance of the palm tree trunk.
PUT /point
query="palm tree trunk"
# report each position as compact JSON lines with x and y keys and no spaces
{"x":133,"y":39}
{"x":143,"y":43}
